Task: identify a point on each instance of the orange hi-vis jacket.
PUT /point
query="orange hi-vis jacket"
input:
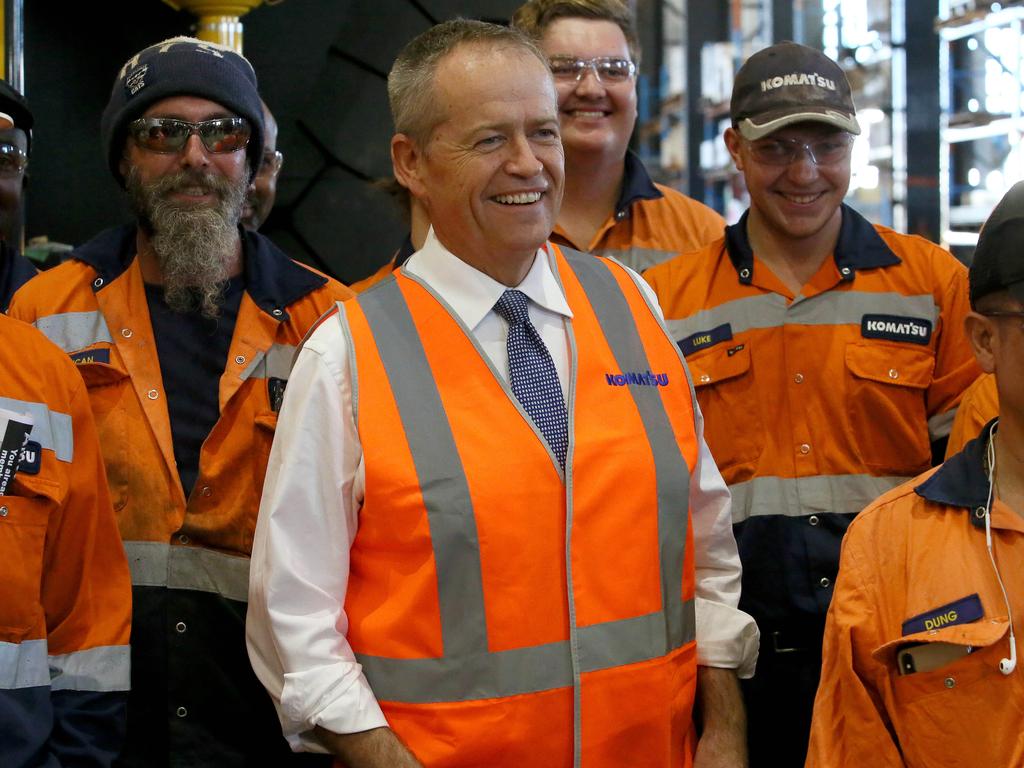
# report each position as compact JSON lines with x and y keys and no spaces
{"x":915,"y":570}
{"x":816,"y":404}
{"x":504,"y":614}
{"x":194,"y":692}
{"x":980,"y":404}
{"x":651,"y":223}
{"x":65,"y":592}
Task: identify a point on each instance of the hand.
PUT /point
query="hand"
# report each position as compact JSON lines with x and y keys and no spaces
{"x":723,"y":739}
{"x":376,"y":748}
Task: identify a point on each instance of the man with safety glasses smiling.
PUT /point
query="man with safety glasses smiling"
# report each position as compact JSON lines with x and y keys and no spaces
{"x":183,"y":326}
{"x":828,"y":357}
{"x":15,"y":141}
{"x":611,"y":207}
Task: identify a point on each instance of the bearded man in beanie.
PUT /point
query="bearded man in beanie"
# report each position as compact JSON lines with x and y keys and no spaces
{"x":183,"y":326}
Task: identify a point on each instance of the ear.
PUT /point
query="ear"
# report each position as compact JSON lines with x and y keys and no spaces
{"x":732,"y":143}
{"x":981,"y":335}
{"x":407,"y":163}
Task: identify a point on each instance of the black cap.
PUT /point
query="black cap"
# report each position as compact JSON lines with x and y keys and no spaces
{"x":790,"y":83}
{"x":999,"y":259}
{"x":13,"y":105}
{"x":182,"y":66}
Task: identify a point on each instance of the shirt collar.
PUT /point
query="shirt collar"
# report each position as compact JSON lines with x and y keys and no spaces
{"x":859,"y":247}
{"x":272,"y":280}
{"x":470,"y":293}
{"x":962,"y":481}
{"x":636,"y":185}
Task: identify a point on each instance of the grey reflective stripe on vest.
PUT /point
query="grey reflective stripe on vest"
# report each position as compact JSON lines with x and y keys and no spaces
{"x":51,"y":429}
{"x":829,"y":308}
{"x":469,"y":671}
{"x":439,"y":470}
{"x":155,"y":564}
{"x":101,"y":669}
{"x":74,"y":330}
{"x":671,"y":473}
{"x":275,"y":363}
{"x":635,"y":258}
{"x":801,"y":496}
{"x":23,"y":665}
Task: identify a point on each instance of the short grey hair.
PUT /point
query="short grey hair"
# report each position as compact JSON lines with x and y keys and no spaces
{"x":414,"y":109}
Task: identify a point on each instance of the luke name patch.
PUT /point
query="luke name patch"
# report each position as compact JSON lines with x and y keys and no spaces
{"x":704,"y":339}
{"x":916,"y":330}
{"x":962,"y":611}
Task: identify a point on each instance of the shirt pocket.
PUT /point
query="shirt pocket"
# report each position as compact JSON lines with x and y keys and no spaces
{"x":24,"y":517}
{"x":110,"y":396}
{"x":724,"y":381}
{"x":938,"y":711}
{"x":885,"y":403}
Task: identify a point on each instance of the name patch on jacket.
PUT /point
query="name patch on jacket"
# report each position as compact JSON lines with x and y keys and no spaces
{"x":31,"y":458}
{"x":916,"y":330}
{"x":275,"y":391}
{"x":704,"y":339}
{"x":91,"y":356}
{"x":962,"y":611}
{"x":646,"y":379}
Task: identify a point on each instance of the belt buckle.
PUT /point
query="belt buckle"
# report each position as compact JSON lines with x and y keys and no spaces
{"x":780,"y":648}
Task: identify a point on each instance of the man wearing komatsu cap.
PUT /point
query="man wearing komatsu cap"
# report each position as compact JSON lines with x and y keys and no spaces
{"x":921,"y":655}
{"x":184,"y":326}
{"x":492,"y":534}
{"x":828,"y":356}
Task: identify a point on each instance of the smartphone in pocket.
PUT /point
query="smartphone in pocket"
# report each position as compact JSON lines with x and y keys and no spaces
{"x":925,"y":657}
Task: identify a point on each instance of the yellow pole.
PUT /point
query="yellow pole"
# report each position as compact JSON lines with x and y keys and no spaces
{"x":220,"y":21}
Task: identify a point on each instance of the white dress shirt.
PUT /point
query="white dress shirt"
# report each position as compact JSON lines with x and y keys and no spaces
{"x":296,"y":626}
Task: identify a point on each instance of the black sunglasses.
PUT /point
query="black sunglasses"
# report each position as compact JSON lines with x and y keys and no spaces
{"x":168,"y":135}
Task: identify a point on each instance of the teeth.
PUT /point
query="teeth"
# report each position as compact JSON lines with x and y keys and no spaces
{"x":801,"y":199}
{"x":523,"y":198}
{"x":586,"y":113}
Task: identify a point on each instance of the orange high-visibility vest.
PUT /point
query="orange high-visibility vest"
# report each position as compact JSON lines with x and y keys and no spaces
{"x":505,"y":614}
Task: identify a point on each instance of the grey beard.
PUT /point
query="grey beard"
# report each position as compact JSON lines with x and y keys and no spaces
{"x":193,"y":244}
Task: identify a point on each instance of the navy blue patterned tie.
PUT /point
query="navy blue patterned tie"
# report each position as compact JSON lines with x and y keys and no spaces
{"x":532,"y":375}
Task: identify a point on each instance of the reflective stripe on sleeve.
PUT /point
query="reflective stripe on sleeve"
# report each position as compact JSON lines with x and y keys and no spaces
{"x":829,"y":308}
{"x":75,"y":330}
{"x":800,"y":496}
{"x":23,"y":665}
{"x":101,"y":669}
{"x":635,"y":258}
{"x":155,"y":564}
{"x":274,"y":363}
{"x":51,"y":429}
{"x":941,"y":424}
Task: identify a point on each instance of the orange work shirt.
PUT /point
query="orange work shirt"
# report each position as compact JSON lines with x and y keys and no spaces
{"x":650,"y":224}
{"x":978,"y":407}
{"x":914,"y":570}
{"x":817,"y":403}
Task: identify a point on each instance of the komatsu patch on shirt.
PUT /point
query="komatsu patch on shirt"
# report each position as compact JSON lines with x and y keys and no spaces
{"x":962,"y":611}
{"x":916,"y":330}
{"x":31,"y":458}
{"x":704,"y":339}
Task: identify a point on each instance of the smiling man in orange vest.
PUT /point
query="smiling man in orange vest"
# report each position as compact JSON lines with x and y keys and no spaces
{"x":492,"y":534}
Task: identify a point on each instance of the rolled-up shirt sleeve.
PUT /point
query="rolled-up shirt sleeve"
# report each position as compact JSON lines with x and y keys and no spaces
{"x":296,"y":625}
{"x":726,"y":636}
